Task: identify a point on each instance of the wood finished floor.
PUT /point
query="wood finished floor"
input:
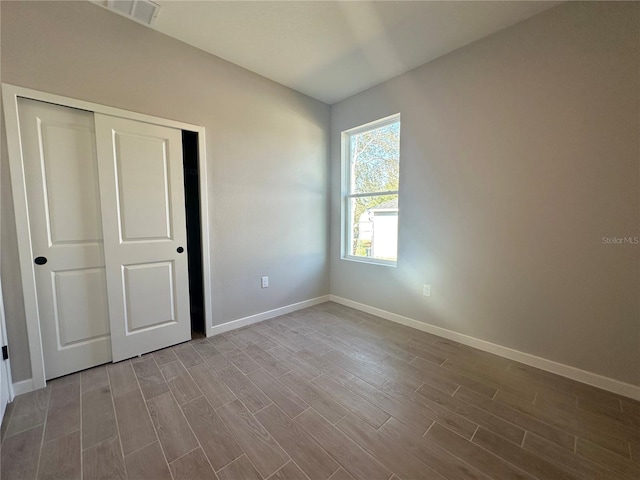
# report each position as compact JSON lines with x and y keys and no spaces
{"x":323,"y":393}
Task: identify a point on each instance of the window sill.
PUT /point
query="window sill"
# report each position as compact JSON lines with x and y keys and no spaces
{"x":370,"y":261}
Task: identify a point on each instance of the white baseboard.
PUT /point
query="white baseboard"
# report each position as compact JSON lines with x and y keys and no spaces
{"x":23,"y":386}
{"x":573,"y":373}
{"x":583,"y":376}
{"x":259,"y":317}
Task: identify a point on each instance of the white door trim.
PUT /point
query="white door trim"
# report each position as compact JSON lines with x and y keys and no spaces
{"x":10,"y":95}
{"x":3,"y":341}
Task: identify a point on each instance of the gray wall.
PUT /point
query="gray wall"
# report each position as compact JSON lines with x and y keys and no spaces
{"x":267,"y":149}
{"x":518,"y":154}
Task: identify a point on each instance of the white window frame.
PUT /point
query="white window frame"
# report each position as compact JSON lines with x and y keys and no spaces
{"x":346,"y":231}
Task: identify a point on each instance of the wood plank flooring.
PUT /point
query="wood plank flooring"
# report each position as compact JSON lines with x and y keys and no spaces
{"x":324,"y":393}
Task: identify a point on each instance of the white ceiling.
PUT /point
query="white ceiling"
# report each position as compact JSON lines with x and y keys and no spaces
{"x":331,"y":50}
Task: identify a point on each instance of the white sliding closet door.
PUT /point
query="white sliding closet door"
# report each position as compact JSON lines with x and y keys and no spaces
{"x":143,"y":220}
{"x":61,"y":181}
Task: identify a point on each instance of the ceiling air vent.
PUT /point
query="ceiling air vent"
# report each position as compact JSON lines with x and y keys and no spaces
{"x":142,"y":11}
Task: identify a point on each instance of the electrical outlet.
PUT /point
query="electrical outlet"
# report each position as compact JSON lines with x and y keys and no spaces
{"x":426,"y":290}
{"x":265,"y":282}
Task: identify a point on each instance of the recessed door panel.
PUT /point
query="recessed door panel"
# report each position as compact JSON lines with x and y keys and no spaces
{"x":143,"y":220}
{"x":149,"y":295}
{"x":70,"y":182}
{"x":79,"y":295}
{"x":142,"y":176}
{"x":60,"y":165}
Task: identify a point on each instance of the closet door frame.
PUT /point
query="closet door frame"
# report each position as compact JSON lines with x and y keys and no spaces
{"x":10,"y":96}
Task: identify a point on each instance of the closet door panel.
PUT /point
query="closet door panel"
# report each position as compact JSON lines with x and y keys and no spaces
{"x":149,"y":280}
{"x":143,"y":187}
{"x":143,"y":215}
{"x":61,"y":180}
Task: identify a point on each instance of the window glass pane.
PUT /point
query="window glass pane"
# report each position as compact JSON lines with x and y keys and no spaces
{"x":374,"y":227}
{"x":375,"y":156}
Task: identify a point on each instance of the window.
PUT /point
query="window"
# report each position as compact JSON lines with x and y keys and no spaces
{"x":371,"y":166}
